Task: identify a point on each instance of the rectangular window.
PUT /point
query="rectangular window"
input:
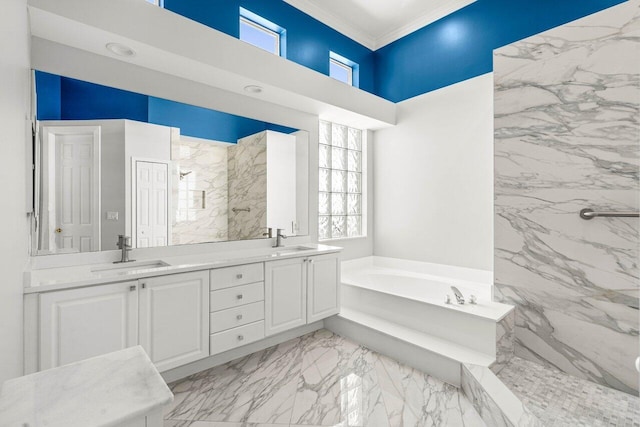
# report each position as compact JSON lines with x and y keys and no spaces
{"x":343,"y":69}
{"x":262,"y":33}
{"x":340,"y":71}
{"x":341,"y":182}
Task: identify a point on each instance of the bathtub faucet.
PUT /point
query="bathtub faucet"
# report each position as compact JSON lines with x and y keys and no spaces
{"x":458,"y":295}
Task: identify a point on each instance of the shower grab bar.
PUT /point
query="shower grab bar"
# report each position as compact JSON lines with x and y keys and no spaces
{"x":590,"y":214}
{"x":236,"y":210}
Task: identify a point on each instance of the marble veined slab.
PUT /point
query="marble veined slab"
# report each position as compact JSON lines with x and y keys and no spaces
{"x":107,"y":390}
{"x":495,"y":403}
{"x":567,"y":137}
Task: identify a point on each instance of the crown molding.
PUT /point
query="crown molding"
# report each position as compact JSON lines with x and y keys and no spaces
{"x":367,"y":40}
{"x":421,"y":21}
{"x":335,"y":22}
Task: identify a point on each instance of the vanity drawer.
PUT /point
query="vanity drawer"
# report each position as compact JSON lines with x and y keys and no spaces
{"x":236,"y":337}
{"x":236,"y":296}
{"x":234,"y":317}
{"x":238,"y":275}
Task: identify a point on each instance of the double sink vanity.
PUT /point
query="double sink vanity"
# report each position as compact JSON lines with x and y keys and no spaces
{"x":180,"y":309}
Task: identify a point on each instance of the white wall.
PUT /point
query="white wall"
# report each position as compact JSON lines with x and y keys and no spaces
{"x":14,"y":110}
{"x":433,"y":195}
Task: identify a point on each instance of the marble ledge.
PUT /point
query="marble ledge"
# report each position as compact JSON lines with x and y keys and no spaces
{"x":59,"y":278}
{"x":107,"y":390}
{"x":495,"y":403}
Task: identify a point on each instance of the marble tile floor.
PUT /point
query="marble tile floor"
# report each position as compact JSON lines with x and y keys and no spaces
{"x":319,"y":379}
{"x":560,"y":400}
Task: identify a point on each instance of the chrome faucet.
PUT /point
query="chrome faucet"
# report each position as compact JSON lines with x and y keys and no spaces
{"x":124,"y":243}
{"x":458,"y":295}
{"x":279,"y":237}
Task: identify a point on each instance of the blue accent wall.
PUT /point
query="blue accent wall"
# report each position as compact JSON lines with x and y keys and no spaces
{"x":48,"y":102}
{"x":63,"y":98}
{"x":202,"y":122}
{"x":87,"y":101}
{"x":308,"y":40}
{"x":460,"y":46}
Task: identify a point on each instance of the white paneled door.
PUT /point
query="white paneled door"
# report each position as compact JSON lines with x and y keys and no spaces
{"x":73,"y":167}
{"x":151,"y":204}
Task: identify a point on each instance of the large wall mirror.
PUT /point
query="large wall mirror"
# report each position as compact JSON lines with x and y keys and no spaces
{"x":111,"y":162}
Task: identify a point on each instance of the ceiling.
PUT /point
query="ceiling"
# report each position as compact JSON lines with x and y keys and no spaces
{"x":376,"y":23}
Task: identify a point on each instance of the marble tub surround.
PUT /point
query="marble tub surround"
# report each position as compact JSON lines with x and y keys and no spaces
{"x":495,"y":403}
{"x":247,"y":181}
{"x":108,"y":390}
{"x":319,"y":379}
{"x":505,"y":341}
{"x":561,"y":400}
{"x":567,"y":126}
{"x":49,"y":279}
{"x":200,"y":190}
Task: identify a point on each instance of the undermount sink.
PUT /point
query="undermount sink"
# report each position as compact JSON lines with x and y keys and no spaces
{"x":291,"y":250}
{"x":128,"y":266}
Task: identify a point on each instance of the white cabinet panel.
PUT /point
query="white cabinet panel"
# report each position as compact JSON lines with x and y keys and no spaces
{"x":236,"y":296}
{"x":323,"y":299}
{"x":80,"y":323}
{"x":236,"y":337}
{"x":234,"y":317}
{"x":238,"y":275}
{"x":285,"y":295}
{"x":174,"y":318}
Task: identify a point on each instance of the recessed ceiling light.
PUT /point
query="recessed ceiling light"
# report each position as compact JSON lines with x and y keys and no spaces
{"x":253,"y":89}
{"x":120,"y":49}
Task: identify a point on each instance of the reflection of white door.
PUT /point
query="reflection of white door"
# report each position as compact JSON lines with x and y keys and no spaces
{"x":151,"y":204}
{"x":74,"y":187}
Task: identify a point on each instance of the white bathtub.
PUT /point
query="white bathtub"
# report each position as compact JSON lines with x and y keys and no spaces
{"x":397,"y":307}
{"x":429,"y":283}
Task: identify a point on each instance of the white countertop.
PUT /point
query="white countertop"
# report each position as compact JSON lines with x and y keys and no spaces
{"x":51,"y":279}
{"x":107,"y":390}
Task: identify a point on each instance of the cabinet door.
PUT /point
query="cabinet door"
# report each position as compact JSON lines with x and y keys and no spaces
{"x":174,"y":318}
{"x":285,"y":295}
{"x":80,"y":323}
{"x":323,"y":299}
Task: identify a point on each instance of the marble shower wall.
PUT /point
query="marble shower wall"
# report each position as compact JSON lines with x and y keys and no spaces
{"x":248,"y":187}
{"x":567,"y":135}
{"x":200,"y":198}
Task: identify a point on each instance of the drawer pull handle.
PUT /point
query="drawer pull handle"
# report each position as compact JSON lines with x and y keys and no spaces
{"x":239,"y":276}
{"x":239,"y":296}
{"x":132,"y":288}
{"x":240,"y":337}
{"x":239,"y":317}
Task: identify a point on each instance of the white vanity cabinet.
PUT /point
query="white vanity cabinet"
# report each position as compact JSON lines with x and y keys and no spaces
{"x":301,"y":291}
{"x":174,"y":318}
{"x":182,"y":317}
{"x":76,"y":324}
{"x":323,"y":294}
{"x":167,"y":315}
{"x":285,"y":294}
{"x":237,"y":306}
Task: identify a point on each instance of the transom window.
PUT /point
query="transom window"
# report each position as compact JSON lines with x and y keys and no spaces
{"x":341,"y":182}
{"x":261,"y":33}
{"x":340,"y":71}
{"x":344,"y":69}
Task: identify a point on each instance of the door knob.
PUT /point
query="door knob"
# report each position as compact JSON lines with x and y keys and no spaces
{"x":239,"y":317}
{"x":58,"y":230}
